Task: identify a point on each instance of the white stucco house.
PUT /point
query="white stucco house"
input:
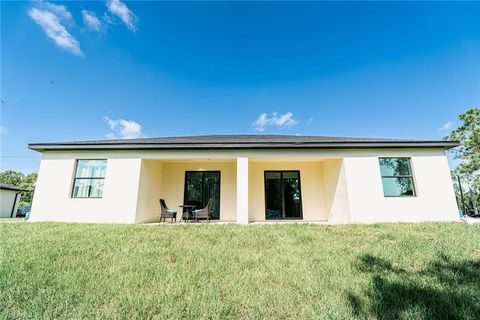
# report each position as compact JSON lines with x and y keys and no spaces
{"x":9,"y":200}
{"x":251,"y":178}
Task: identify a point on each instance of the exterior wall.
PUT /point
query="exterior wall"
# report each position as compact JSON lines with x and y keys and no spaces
{"x":338,"y":185}
{"x":242,"y":190}
{"x":336,"y":191}
{"x":7,"y":201}
{"x":149,"y":192}
{"x":435,"y":199}
{"x":311,"y":184}
{"x":53,"y":202}
{"x":173,"y":183}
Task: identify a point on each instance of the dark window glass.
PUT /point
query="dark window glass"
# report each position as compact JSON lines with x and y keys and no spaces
{"x":200,"y":186}
{"x":397,"y":178}
{"x":282,"y":195}
{"x":395,"y":166}
{"x":89,"y":179}
{"x":273,"y":195}
{"x":194,"y":189}
{"x":396,"y":187}
{"x":291,"y":194}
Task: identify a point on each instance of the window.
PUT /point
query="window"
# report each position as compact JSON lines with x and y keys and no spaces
{"x":397,"y":177}
{"x":89,"y":178}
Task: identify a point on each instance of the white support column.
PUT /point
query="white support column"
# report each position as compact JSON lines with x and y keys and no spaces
{"x":242,"y":190}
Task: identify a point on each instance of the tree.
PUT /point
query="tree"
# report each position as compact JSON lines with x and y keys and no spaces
{"x":468,"y":134}
{"x":18,"y":179}
{"x":11,"y":177}
{"x":28,"y":183}
{"x":465,"y":197}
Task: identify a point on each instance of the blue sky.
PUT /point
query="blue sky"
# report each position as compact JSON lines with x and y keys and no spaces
{"x":92,"y":70}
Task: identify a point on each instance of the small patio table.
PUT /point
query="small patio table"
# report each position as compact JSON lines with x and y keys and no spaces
{"x":188,"y":210}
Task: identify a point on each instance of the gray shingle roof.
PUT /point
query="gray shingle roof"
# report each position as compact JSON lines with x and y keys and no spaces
{"x":241,"y":142}
{"x":6,"y":186}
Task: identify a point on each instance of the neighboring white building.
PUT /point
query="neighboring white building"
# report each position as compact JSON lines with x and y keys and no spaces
{"x":9,"y":199}
{"x":251,"y":178}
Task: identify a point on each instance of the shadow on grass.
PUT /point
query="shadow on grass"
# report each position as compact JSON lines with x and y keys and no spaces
{"x":444,"y":289}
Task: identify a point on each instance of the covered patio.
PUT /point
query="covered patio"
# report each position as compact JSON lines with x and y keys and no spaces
{"x":245,"y":189}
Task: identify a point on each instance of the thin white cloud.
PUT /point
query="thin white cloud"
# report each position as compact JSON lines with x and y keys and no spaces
{"x":120,"y":9}
{"x":446,"y":126}
{"x":282,"y":120}
{"x":123,"y":129}
{"x":3,"y":129}
{"x":59,"y":10}
{"x":50,"y":17}
{"x":107,"y":18}
{"x":91,"y":21}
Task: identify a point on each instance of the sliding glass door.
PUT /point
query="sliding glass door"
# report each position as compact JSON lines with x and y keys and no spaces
{"x":200,"y":186}
{"x":283,"y":198}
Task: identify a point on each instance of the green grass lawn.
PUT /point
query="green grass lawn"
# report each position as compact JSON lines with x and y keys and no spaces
{"x":387,"y":271}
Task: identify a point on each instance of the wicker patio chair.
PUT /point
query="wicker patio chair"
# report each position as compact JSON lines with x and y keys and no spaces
{"x":205,"y":212}
{"x":166,"y":213}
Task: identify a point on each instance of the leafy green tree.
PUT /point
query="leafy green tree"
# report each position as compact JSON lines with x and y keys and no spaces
{"x":28,"y":183}
{"x":18,"y":179}
{"x":469,"y":200}
{"x":468,"y":134}
{"x":11,"y":177}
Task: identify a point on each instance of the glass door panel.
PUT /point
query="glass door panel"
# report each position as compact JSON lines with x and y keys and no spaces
{"x":282,"y":195}
{"x":211,"y":189}
{"x":193,"y":189}
{"x":273,"y":195}
{"x":291,"y":194}
{"x":200,"y":186}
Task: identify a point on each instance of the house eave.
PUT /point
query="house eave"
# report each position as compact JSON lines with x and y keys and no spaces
{"x":13,"y":189}
{"x":41,"y":147}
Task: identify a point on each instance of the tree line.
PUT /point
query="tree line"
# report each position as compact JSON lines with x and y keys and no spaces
{"x":466,"y":175}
